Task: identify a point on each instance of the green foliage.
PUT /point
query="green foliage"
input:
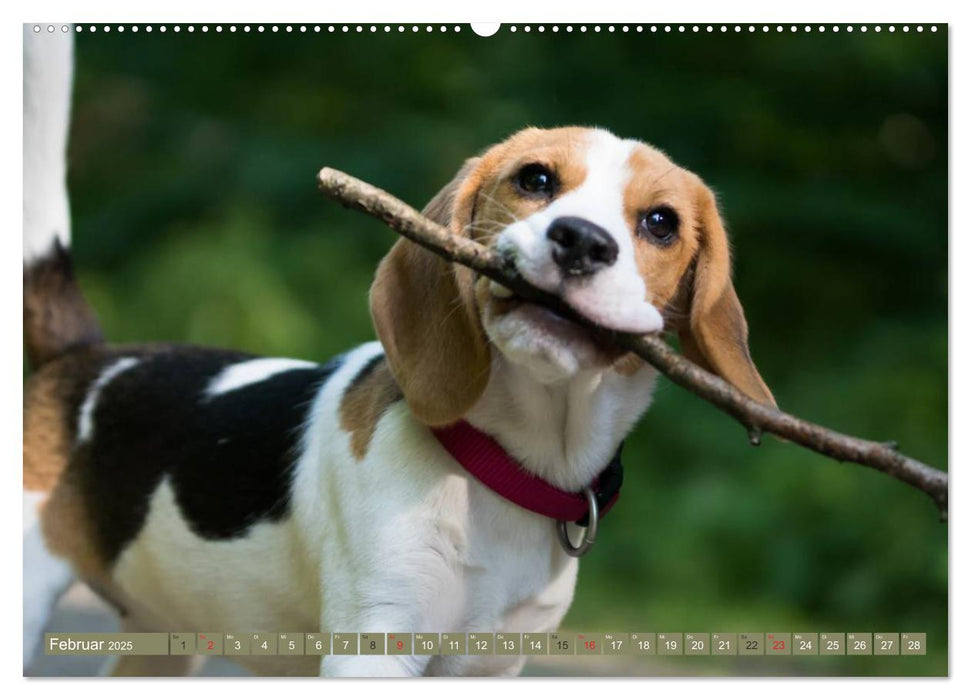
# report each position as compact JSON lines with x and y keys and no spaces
{"x":196,"y":219}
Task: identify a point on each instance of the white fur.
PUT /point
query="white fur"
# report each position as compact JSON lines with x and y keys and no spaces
{"x":46,"y":576}
{"x":179,"y":580}
{"x":250,"y":372}
{"x":616,"y":296}
{"x":86,"y":414}
{"x":565,"y":431}
{"x":47,"y":105}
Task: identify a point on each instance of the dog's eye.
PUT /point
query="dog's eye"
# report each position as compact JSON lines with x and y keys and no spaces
{"x":659,"y":225}
{"x":536,"y":179}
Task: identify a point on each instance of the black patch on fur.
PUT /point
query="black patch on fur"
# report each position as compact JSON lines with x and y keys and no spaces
{"x":229,"y":458}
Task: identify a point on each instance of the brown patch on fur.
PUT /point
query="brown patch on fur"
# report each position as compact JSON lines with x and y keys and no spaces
{"x":657,"y":182}
{"x":716,"y":334}
{"x":489,"y":200}
{"x":628,"y":365}
{"x":68,"y":531}
{"x":52,"y":398}
{"x":691,"y":277}
{"x":47,"y":443}
{"x":424,"y":313}
{"x":371,"y":393}
{"x":57,"y":317}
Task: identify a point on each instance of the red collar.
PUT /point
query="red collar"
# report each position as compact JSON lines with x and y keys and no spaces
{"x":488,"y":462}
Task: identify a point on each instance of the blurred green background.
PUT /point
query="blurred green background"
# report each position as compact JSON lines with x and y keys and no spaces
{"x":196,"y":219}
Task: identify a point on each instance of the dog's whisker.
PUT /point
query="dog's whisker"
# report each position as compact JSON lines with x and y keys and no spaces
{"x":505,"y":208}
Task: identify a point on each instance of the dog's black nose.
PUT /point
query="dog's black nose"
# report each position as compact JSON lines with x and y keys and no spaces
{"x":580,"y":247}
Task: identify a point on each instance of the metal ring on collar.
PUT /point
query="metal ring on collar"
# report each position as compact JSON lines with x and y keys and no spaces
{"x":589,"y":533}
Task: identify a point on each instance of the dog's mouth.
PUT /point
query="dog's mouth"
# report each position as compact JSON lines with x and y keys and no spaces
{"x":504,"y":302}
{"x":607,"y":316}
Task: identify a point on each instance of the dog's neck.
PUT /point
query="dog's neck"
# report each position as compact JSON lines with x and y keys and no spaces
{"x":565,"y":432}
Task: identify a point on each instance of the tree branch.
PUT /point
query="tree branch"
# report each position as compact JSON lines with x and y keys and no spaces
{"x":757,"y":418}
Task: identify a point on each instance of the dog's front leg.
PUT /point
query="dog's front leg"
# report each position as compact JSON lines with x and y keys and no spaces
{"x":376,"y":666}
{"x":382,"y":609}
{"x":386,"y":606}
{"x":398,"y":567}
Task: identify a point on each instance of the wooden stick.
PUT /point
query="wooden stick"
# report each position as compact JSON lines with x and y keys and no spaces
{"x":756,"y":417}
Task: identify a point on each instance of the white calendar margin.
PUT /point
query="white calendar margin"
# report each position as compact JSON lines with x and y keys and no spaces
{"x":432,"y":11}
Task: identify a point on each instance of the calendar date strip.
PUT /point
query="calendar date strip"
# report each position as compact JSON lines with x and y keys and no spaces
{"x":487,"y":643}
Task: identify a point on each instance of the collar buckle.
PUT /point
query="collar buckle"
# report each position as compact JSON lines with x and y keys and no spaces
{"x":590,"y":528}
{"x":605,"y":492}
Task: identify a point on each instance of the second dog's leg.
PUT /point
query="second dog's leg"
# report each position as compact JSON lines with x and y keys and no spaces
{"x":46,"y":576}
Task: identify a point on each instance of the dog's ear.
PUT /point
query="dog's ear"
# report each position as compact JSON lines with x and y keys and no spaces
{"x":425,"y":315}
{"x":715,"y":334}
{"x":452,"y":206}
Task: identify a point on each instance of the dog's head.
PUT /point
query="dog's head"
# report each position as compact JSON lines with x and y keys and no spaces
{"x":629,"y":239}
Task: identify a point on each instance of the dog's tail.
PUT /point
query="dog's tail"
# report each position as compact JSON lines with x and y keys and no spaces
{"x":57,"y":317}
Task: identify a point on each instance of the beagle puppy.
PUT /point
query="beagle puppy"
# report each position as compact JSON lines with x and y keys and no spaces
{"x":201,"y":489}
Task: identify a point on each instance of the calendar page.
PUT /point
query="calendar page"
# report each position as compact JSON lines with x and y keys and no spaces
{"x":516,"y":349}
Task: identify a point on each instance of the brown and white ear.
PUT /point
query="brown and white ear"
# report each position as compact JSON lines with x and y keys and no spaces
{"x":424,"y":312}
{"x":716,"y":334}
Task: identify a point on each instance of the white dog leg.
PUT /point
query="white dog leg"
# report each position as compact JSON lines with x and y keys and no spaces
{"x":46,"y":576}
